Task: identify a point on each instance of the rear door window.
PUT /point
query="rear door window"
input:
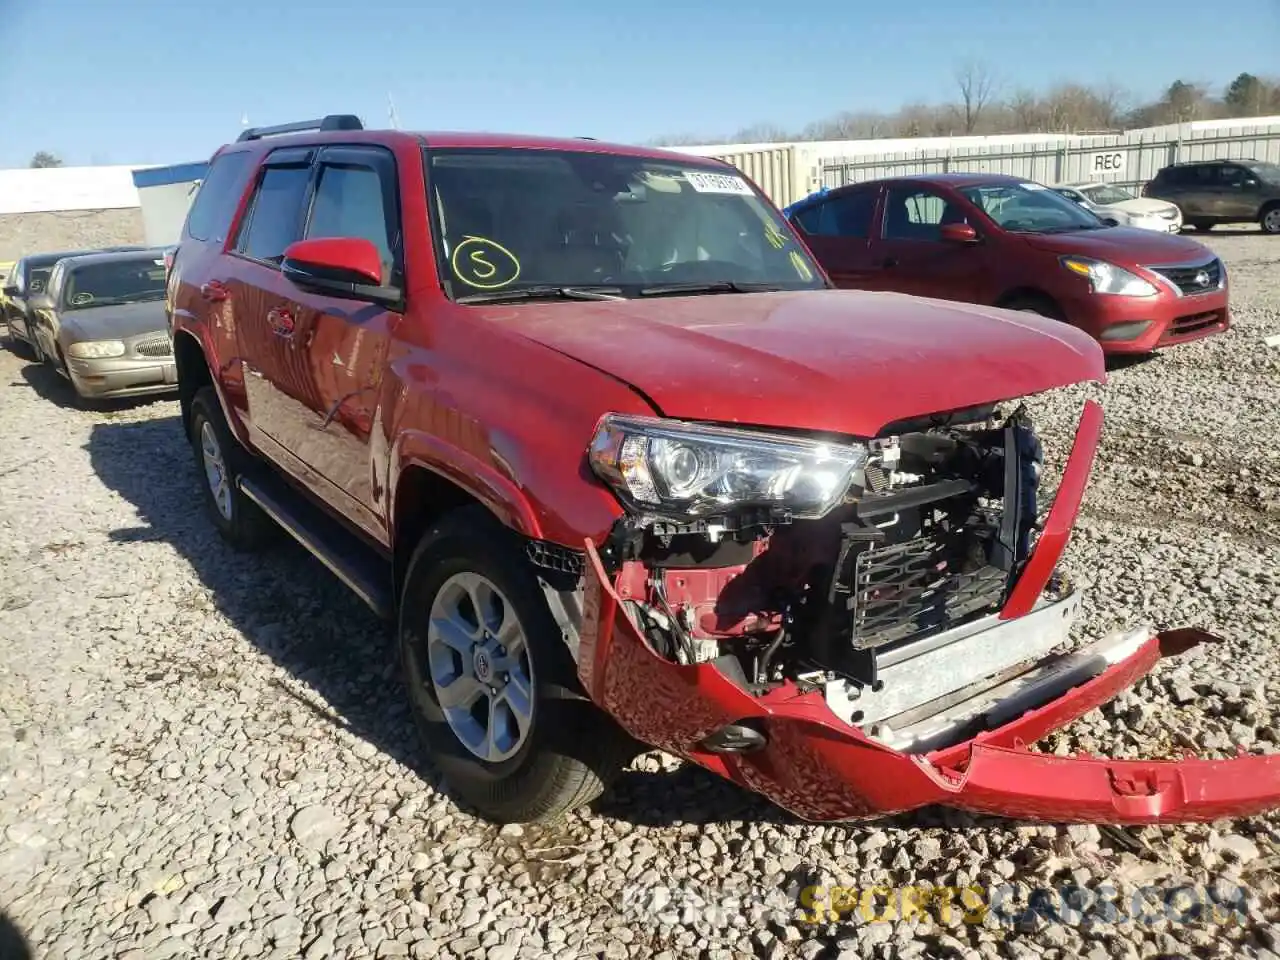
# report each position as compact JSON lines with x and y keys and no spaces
{"x":274,"y":218}
{"x":844,"y":216}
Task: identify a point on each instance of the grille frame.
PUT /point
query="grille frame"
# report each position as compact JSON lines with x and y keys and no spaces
{"x":154,"y":348}
{"x":909,"y":590}
{"x":1180,"y":277}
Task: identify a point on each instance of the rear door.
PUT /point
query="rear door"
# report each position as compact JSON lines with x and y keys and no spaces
{"x":1194,"y":191}
{"x":838,"y":231}
{"x":911,"y":256}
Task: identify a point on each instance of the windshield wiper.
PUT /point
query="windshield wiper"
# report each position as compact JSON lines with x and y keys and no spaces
{"x":720,"y":286}
{"x":545,"y":293}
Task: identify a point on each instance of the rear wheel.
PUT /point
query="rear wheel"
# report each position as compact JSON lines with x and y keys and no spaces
{"x":1270,"y":219}
{"x":491,"y":684}
{"x":221,"y":461}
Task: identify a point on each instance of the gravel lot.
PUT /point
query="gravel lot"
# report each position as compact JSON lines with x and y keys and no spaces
{"x":201,"y":756}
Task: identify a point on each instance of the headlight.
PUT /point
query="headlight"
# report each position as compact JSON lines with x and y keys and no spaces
{"x":96,"y":349}
{"x":681,"y":470}
{"x":1108,"y":278}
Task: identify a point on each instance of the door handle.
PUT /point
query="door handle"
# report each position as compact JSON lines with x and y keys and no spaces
{"x":281,"y":321}
{"x":214,"y":291}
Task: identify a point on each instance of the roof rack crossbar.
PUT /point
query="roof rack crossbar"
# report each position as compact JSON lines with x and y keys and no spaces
{"x":334,"y":121}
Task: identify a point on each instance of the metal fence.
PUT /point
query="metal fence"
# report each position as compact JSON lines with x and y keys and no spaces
{"x":1129,"y":160}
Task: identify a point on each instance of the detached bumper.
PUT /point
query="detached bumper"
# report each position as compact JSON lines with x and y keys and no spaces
{"x":820,"y":768}
{"x":123,"y":377}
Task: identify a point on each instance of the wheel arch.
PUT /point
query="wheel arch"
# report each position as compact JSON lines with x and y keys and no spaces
{"x":193,"y":373}
{"x":1029,"y":293}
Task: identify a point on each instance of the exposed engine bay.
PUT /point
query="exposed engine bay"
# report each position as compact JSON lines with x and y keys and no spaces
{"x":923,"y":547}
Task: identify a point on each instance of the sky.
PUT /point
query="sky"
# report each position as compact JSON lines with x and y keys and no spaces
{"x":146,"y":81}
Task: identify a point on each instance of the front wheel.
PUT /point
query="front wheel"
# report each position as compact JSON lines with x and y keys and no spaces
{"x":491,"y":684}
{"x":1270,"y":220}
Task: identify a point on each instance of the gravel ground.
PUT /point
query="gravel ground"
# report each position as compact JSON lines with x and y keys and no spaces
{"x":205,"y":756}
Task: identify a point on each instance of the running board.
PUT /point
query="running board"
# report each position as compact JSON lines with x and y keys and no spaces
{"x":355,"y":564}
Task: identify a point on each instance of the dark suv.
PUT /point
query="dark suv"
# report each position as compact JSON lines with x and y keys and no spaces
{"x":1211,"y":192}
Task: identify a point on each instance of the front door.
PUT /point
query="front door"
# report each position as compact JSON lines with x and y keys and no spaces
{"x":328,"y":395}
{"x":1236,"y":195}
{"x":312,"y":362}
{"x":911,"y":255}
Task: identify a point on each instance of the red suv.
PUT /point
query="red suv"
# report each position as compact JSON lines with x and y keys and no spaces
{"x":1008,"y":242}
{"x":590,"y":426}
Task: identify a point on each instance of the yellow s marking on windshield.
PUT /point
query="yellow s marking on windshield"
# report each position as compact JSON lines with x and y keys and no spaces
{"x":484,"y":264}
{"x":775,"y":236}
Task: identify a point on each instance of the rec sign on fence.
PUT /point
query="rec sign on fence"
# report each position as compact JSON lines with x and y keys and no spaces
{"x":1107,"y":162}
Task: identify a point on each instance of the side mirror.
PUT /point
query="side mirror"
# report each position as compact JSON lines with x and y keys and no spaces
{"x":347,"y":267}
{"x":958,"y":233}
{"x":11,"y":291}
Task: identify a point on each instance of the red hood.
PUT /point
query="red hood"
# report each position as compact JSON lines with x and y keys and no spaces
{"x":833,"y":360}
{"x":1125,"y":246}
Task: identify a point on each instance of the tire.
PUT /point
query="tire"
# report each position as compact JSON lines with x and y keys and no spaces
{"x":1200,"y":226}
{"x":567,"y":750}
{"x":239,"y":520}
{"x":1269,"y":219}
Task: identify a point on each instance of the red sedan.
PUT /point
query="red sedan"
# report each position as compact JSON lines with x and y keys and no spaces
{"x":1007,"y":242}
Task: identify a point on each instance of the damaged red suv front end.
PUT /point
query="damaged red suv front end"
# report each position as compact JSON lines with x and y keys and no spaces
{"x":901,"y":649}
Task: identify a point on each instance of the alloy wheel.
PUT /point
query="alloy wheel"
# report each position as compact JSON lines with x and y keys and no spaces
{"x":215,"y":469}
{"x":479,"y":667}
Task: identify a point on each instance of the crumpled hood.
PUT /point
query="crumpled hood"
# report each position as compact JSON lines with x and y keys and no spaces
{"x":844,"y":361}
{"x":1125,"y":246}
{"x":119,"y":322}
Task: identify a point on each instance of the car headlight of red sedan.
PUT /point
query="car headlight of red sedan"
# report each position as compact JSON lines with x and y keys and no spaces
{"x":1107,"y":278}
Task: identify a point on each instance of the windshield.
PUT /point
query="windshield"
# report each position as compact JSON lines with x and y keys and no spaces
{"x":1030,"y":208}
{"x":1107,"y":193}
{"x":1267,"y":171}
{"x":512,"y":220}
{"x":113,"y":282}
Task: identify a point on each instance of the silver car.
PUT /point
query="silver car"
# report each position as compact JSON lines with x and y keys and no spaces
{"x":101,"y":323}
{"x":1116,"y":204}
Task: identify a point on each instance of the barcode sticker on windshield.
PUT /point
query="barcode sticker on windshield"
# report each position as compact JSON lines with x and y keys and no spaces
{"x":717,"y":183}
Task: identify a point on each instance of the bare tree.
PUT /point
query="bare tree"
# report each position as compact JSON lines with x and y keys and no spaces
{"x":44,"y":159}
{"x":977,"y":90}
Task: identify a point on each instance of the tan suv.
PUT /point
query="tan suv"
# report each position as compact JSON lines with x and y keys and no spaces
{"x":1211,"y":192}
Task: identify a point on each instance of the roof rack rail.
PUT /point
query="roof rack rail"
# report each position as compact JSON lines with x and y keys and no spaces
{"x":334,"y":121}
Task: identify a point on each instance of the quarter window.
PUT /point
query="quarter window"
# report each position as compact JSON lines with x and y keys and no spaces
{"x":215,"y":204}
